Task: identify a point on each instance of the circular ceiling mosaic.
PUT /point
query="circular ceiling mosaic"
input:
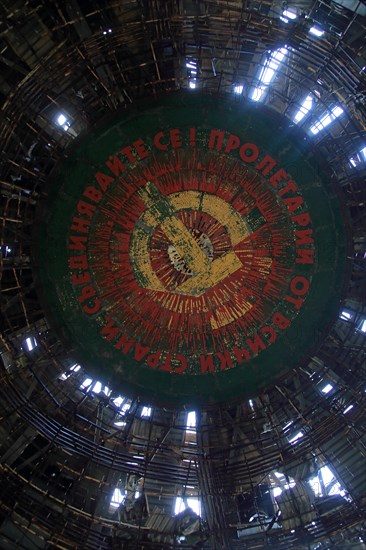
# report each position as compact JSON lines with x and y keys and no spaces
{"x":191,"y":250}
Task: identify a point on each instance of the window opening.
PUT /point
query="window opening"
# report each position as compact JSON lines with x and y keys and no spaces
{"x":316,"y":31}
{"x":325,"y":483}
{"x":146,"y":411}
{"x":30,"y":343}
{"x":191,"y":502}
{"x":345,"y":315}
{"x":191,"y":419}
{"x":118,"y":401}
{"x":126,"y":407}
{"x":74,"y":368}
{"x":306,"y":106}
{"x":63,"y":121}
{"x":350,"y":407}
{"x":268,"y":72}
{"x":296,"y":437}
{"x":359,"y":158}
{"x":86,"y":384}
{"x":288,"y":424}
{"x":326,"y":119}
{"x":287,"y":15}
{"x":353,"y":162}
{"x":97,"y":388}
{"x":190,"y":436}
{"x":117,"y":498}
{"x":191,"y":66}
{"x":284,"y":483}
{"x":122,"y":403}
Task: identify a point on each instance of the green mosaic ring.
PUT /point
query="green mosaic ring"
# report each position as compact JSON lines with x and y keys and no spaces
{"x":192,"y":250}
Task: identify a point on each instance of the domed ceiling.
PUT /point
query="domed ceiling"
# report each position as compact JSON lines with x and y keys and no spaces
{"x":183,"y":327}
{"x":180,"y":250}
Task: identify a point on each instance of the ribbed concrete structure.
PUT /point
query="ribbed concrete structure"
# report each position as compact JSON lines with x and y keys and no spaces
{"x":85,"y":464}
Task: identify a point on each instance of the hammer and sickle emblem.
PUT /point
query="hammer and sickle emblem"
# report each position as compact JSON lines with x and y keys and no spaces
{"x":161,"y":211}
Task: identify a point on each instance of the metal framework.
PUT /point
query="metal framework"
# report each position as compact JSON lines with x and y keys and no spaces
{"x":67,"y":444}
